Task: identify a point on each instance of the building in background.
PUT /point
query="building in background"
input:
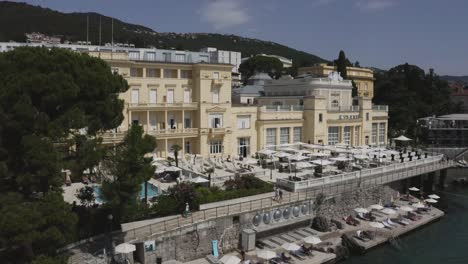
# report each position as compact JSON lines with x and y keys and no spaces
{"x":249,"y":93}
{"x":460,"y":94}
{"x":363,"y":77}
{"x":184,"y":98}
{"x":226,"y":57}
{"x":444,"y":131}
{"x":287,"y":63}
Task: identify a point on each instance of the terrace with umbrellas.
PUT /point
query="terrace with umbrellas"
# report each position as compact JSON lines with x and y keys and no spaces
{"x":293,"y":162}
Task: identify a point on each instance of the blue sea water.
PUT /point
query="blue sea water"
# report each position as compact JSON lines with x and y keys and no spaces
{"x":152,"y":192}
{"x":444,"y":241}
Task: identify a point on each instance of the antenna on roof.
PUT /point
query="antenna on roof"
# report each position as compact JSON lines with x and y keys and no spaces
{"x":87,"y":29}
{"x":112,"y":32}
{"x":100,"y":30}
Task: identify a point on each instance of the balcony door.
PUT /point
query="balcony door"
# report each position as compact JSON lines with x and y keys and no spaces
{"x":170,"y":96}
{"x":153,"y":96}
{"x":135,"y":96}
{"x":187,"y":95}
{"x":172,"y":121}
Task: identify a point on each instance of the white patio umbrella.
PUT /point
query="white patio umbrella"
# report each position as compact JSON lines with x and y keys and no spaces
{"x":361,"y":157}
{"x":249,"y":161}
{"x":282,"y":154}
{"x":304,"y":165}
{"x":266,"y":254}
{"x":361,"y":210}
{"x":406,"y":208}
{"x":288,"y":149}
{"x":434,"y":196}
{"x":341,"y":159}
{"x":388,"y":211}
{"x":226,"y":259}
{"x":199,"y":179}
{"x":312,"y":240}
{"x":402,"y":138}
{"x":322,"y":162}
{"x":125,"y":248}
{"x":290,"y":246}
{"x":414,"y":189}
{"x":376,"y":207}
{"x":172,"y":169}
{"x":297,"y":157}
{"x":266,"y":152}
{"x":319,"y":154}
{"x":376,"y":225}
{"x":431,"y":201}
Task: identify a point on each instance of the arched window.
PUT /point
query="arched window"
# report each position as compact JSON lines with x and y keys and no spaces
{"x":335,"y":104}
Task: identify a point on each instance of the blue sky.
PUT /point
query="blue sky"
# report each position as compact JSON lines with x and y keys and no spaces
{"x":380,"y":33}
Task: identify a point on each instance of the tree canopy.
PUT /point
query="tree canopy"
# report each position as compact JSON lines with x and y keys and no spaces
{"x":341,"y":63}
{"x":47,"y":96}
{"x":272,"y":66}
{"x":129,"y":169}
{"x":411,"y":94}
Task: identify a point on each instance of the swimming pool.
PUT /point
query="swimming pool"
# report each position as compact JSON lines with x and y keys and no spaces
{"x":152,"y":192}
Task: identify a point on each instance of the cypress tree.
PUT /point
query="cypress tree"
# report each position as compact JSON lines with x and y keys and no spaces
{"x":341,"y":65}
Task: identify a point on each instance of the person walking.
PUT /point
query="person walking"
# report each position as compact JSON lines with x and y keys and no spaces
{"x":280,"y":195}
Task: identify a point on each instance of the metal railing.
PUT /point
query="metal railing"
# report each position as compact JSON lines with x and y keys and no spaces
{"x":283,"y":108}
{"x":164,"y":105}
{"x":350,"y":108}
{"x":299,"y":185}
{"x":380,"y":107}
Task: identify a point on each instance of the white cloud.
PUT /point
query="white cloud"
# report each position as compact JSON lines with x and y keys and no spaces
{"x":375,"y":4}
{"x":222,"y":14}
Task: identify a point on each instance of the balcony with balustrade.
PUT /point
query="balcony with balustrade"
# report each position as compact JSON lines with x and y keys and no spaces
{"x":163,"y":106}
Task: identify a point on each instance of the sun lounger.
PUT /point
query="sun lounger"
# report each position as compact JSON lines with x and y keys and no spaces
{"x":360,"y":235}
{"x":387,"y":225}
{"x":297,"y":255}
{"x":390,"y":222}
{"x":363,"y":217}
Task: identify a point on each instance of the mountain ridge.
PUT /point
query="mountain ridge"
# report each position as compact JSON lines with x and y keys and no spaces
{"x":17,"y":19}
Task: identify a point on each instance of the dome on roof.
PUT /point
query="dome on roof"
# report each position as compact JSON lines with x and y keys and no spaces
{"x":258,"y":78}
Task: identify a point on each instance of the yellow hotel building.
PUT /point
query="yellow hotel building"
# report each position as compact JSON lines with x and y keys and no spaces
{"x":189,"y":104}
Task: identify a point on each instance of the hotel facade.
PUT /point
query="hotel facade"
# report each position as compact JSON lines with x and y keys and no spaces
{"x":190,"y":105}
{"x":183,"y":98}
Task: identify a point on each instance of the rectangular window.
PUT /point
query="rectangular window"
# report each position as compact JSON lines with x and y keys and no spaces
{"x":382,"y":133}
{"x":187,"y":95}
{"x":215,"y":96}
{"x":320,"y":117}
{"x":134,"y":55}
{"x":374,"y":133}
{"x":180,"y":57}
{"x":170,"y":96}
{"x":153,"y":120}
{"x":216,"y":120}
{"x":171,"y":121}
{"x":167,"y":56}
{"x":271,"y":136}
{"x":243,"y":147}
{"x":151,"y":56}
{"x":216,"y":146}
{"x":356,"y":136}
{"x":136,"y":72}
{"x":216,"y":75}
{"x":153,"y":96}
{"x":203,"y":58}
{"x":347,"y":135}
{"x":153,"y":73}
{"x":284,"y":135}
{"x":186,"y":74}
{"x":243,"y":122}
{"x":297,"y":136}
{"x":333,"y":135}
{"x":171,"y":74}
{"x":135,"y":96}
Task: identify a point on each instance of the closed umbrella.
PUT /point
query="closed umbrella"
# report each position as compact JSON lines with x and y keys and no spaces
{"x":434,"y":196}
{"x":388,"y":211}
{"x":125,"y":248}
{"x":290,"y":246}
{"x":226,"y":259}
{"x":431,"y":201}
{"x":266,"y":254}
{"x":361,"y":210}
{"x":376,"y":225}
{"x":312,"y":240}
